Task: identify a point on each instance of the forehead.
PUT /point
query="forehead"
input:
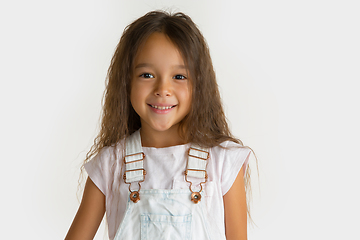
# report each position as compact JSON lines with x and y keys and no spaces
{"x":158,"y":49}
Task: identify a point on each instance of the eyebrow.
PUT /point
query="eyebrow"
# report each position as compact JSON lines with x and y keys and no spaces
{"x":141,"y":65}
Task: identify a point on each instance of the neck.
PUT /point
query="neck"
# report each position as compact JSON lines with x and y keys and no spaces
{"x":160,"y":139}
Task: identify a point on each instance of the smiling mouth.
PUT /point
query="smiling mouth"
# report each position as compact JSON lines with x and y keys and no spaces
{"x":161,"y":107}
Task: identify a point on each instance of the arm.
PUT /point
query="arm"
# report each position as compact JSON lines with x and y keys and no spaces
{"x":235,"y":210}
{"x":89,"y":215}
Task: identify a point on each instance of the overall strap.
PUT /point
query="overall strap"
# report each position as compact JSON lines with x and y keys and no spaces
{"x":134,"y":163}
{"x":135,"y":172}
{"x":196,"y":167}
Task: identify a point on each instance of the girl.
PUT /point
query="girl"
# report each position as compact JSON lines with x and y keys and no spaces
{"x":164,"y":165}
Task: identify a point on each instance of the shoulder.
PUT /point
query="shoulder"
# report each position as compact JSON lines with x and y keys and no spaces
{"x":111,"y":152}
{"x":105,"y":158}
{"x":104,"y":166}
{"x":227,"y":159}
{"x":229,"y":149}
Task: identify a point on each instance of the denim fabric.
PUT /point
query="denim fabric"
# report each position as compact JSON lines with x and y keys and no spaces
{"x":163,"y":215}
{"x":162,"y":227}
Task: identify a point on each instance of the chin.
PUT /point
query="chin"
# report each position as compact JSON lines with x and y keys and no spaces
{"x":161,"y":129}
{"x":164,"y":127}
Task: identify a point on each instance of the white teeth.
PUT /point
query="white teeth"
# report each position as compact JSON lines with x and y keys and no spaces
{"x":161,"y":108}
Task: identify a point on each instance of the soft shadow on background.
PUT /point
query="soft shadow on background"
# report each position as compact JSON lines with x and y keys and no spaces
{"x":288,"y":72}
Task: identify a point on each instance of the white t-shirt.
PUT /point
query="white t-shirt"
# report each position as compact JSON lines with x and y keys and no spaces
{"x":165,"y":170}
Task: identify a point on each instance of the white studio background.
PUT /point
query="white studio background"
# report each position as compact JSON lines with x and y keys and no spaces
{"x":287,"y":71}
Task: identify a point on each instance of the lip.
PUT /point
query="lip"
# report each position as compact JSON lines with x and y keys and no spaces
{"x":162,"y":111}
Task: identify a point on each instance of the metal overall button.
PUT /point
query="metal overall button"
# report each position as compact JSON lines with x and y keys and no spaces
{"x":135,"y":196}
{"x":195,"y":197}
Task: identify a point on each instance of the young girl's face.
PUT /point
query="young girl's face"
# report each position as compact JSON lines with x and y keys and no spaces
{"x":160,"y":88}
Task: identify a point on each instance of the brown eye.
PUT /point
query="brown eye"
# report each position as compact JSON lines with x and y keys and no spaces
{"x":147,"y":75}
{"x":179,"y":77}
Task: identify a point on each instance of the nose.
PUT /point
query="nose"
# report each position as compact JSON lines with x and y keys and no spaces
{"x":163,"y":88}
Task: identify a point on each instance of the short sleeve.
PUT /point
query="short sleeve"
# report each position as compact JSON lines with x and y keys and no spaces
{"x":98,"y":169}
{"x":235,"y":157}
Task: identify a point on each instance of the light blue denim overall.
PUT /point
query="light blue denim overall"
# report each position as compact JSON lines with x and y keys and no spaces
{"x":157,"y":214}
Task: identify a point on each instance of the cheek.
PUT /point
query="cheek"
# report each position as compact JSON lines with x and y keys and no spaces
{"x":186,"y":96}
{"x":138,"y":95}
{"x":134,"y":95}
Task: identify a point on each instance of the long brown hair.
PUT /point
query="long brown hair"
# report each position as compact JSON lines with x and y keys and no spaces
{"x":205,"y":124}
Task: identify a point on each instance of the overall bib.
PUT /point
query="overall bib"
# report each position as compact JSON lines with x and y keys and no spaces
{"x":163,"y":214}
